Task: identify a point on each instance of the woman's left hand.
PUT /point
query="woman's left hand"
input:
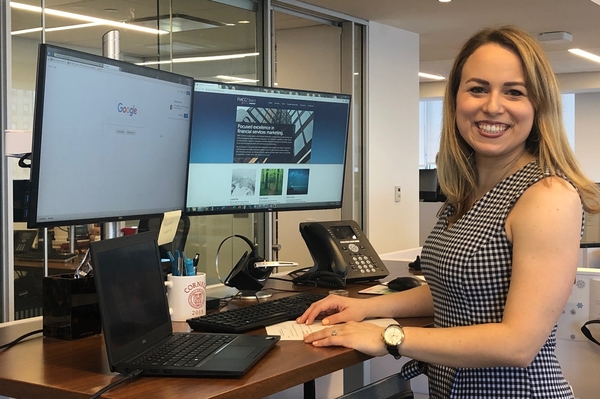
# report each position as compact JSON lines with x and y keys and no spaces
{"x":365,"y":337}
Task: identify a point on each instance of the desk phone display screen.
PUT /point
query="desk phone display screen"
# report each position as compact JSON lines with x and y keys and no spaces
{"x":343,"y":232}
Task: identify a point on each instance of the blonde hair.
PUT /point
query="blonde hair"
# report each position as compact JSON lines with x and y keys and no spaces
{"x":547,"y":140}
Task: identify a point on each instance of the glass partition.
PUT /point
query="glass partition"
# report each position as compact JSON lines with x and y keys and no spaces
{"x":204,"y":39}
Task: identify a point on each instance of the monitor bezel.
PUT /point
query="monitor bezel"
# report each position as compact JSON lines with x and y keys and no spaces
{"x":310,"y":206}
{"x":37,"y":133}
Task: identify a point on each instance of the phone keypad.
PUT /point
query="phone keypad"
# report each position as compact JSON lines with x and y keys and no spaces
{"x":364,"y":264}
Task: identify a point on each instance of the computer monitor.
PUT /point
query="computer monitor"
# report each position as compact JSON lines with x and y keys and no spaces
{"x":259,"y":149}
{"x":110,"y":140}
{"x":429,"y":188}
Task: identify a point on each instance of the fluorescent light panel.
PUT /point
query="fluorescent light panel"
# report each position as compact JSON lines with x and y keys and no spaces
{"x":85,"y":18}
{"x":430,"y":76}
{"x":235,"y":79}
{"x":200,"y":59}
{"x":585,"y":54}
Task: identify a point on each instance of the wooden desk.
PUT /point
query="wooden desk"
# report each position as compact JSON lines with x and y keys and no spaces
{"x":54,"y":267}
{"x":51,"y":368}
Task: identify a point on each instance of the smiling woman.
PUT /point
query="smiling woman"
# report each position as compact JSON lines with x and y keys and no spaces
{"x":511,"y":178}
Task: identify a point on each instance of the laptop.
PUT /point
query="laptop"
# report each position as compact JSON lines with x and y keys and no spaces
{"x":136,"y":322}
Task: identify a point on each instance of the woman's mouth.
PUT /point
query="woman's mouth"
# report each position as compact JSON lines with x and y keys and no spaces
{"x":492,"y":128}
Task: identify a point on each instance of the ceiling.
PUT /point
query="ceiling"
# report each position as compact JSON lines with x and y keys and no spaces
{"x":442,"y":27}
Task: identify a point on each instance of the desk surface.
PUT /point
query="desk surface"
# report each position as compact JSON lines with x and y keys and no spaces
{"x":52,"y":368}
{"x":53,"y":265}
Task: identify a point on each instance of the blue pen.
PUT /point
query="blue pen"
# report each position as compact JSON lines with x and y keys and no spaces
{"x":175,"y":269}
{"x":189,"y":267}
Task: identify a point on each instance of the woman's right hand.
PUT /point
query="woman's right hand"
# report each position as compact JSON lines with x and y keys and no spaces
{"x":338,"y":309}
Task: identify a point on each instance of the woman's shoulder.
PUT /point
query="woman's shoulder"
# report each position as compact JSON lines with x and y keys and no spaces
{"x":551,"y":191}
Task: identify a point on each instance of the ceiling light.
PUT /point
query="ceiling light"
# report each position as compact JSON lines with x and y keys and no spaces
{"x":200,"y":59}
{"x":430,"y":76}
{"x":180,"y":22}
{"x":235,"y":79}
{"x":585,"y":54}
{"x":555,"y":37}
{"x":85,"y":18}
{"x":445,"y":1}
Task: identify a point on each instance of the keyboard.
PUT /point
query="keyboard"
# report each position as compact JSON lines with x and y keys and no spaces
{"x":38,"y":256}
{"x":254,"y":316}
{"x":184,"y":350}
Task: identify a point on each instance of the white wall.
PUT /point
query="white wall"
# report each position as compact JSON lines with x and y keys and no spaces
{"x":587,"y":121}
{"x":393,"y":138}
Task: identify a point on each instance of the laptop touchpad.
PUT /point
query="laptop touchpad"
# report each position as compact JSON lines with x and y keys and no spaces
{"x":239,"y":352}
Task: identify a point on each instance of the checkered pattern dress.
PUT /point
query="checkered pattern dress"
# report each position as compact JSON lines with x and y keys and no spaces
{"x":468,"y":268}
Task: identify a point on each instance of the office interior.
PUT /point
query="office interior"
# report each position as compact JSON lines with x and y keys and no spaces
{"x":290,"y":44}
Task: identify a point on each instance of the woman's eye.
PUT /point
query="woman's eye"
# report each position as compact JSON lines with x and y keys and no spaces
{"x":515,"y":93}
{"x":477,"y":89}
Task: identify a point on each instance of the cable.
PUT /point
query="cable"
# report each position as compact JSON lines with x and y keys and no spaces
{"x":22,"y":337}
{"x":24,"y":158}
{"x":130,"y":376}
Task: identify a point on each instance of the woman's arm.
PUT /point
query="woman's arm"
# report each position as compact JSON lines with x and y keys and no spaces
{"x":544,"y":227}
{"x":415,"y":302}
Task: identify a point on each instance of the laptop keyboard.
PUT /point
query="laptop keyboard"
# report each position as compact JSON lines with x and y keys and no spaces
{"x":256,"y":315}
{"x":184,"y":350}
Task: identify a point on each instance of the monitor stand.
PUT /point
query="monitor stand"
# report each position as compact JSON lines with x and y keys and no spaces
{"x":249,"y":295}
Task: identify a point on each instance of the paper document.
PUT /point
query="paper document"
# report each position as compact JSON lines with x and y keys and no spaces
{"x":168,"y":227}
{"x":292,"y":331}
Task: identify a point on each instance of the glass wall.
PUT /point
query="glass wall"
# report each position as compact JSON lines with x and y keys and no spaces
{"x":214,"y":40}
{"x":204,"y":39}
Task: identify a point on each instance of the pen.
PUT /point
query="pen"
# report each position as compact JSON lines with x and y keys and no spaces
{"x":174,"y":266}
{"x":195,"y":262}
{"x":189,"y":267}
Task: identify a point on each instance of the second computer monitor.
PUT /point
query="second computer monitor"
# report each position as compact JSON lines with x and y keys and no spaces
{"x":257,"y":149}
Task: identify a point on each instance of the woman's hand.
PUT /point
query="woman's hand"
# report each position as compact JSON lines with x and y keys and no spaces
{"x":364,"y":337}
{"x":339,"y":309}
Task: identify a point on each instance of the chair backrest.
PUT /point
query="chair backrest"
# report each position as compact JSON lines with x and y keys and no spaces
{"x":180,"y":239}
{"x":392,"y":387}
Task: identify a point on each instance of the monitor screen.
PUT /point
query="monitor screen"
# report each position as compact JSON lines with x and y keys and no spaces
{"x":110,"y":139}
{"x":257,"y":149}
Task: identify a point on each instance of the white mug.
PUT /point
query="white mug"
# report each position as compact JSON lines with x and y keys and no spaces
{"x":186,"y":296}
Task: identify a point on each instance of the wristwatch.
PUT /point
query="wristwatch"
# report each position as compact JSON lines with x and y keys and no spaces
{"x":393,"y":335}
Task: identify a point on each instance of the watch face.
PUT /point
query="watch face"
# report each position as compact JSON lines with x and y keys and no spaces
{"x":393,"y":335}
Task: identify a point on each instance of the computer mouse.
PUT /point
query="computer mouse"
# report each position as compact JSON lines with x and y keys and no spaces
{"x":404,"y":283}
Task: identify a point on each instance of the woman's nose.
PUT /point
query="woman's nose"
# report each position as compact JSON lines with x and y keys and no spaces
{"x":493,"y":104}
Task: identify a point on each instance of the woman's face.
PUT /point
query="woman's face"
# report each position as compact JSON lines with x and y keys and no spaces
{"x":493,"y":111}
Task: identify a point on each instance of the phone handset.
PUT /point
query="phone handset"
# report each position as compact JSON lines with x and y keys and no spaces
{"x":323,"y":249}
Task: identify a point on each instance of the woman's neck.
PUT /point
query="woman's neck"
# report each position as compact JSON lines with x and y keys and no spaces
{"x":491,"y":173}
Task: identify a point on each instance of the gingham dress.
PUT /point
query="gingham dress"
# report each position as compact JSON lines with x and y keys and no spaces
{"x":468,"y":268}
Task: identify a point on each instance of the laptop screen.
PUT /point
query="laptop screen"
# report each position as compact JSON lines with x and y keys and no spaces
{"x":129,"y":281}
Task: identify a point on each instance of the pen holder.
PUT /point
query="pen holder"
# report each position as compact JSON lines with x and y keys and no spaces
{"x":186,"y":296}
{"x":70,"y":307}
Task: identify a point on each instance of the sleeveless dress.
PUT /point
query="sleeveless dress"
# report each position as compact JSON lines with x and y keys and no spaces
{"x":468,"y":268}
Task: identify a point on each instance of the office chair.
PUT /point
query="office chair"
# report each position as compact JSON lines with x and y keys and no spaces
{"x":392,"y":387}
{"x":180,"y":238}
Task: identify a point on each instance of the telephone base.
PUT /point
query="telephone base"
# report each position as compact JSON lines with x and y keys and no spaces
{"x":249,"y":295}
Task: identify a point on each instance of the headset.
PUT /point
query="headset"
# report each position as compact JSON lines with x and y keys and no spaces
{"x":245,"y":276}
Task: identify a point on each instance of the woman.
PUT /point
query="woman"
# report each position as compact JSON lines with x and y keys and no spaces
{"x":501,"y":260}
